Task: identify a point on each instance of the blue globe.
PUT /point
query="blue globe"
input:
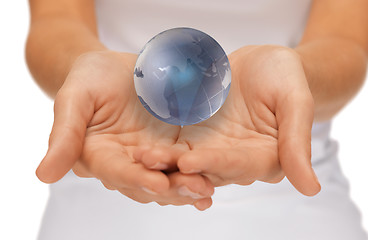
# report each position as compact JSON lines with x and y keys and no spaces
{"x":182,"y":76}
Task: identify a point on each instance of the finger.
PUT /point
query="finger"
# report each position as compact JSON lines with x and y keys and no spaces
{"x":108,"y":186}
{"x":161,"y":157}
{"x":108,"y":162}
{"x":243,"y":166}
{"x":194,"y":186}
{"x":184,"y":189}
{"x":295,"y":119}
{"x":198,"y":188}
{"x":157,"y":158}
{"x":137,"y":195}
{"x":203,"y":204}
{"x":72,"y":111}
{"x":139,"y":151}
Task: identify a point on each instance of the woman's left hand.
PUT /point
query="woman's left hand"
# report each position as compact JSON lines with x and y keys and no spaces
{"x":262,"y":132}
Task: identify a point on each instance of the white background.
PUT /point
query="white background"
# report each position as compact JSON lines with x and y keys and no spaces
{"x":26,"y":118}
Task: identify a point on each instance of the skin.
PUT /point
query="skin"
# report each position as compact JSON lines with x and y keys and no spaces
{"x":261,"y":133}
{"x":321,"y":74}
{"x":98,"y":113}
{"x":250,"y":137}
{"x":97,"y":128}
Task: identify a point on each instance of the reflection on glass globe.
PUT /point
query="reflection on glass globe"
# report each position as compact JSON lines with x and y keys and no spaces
{"x":182,"y":76}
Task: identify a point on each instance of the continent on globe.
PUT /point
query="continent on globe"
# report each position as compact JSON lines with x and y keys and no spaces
{"x":182,"y":76}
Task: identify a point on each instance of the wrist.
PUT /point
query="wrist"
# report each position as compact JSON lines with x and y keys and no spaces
{"x":53,"y":46}
{"x":335,"y":70}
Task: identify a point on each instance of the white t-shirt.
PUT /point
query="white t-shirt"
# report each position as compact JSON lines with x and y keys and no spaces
{"x":83,"y":209}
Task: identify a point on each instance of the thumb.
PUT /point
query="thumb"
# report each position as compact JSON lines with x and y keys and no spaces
{"x":295,"y":119}
{"x":73,"y":109}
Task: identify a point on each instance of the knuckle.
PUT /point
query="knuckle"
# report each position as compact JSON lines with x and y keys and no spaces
{"x":158,"y":185}
{"x":162,"y":203}
{"x":108,"y":186}
{"x":80,"y":170}
{"x":276,"y":178}
{"x":186,"y":164}
{"x":138,"y":197}
{"x":144,"y":201}
{"x":246,"y":182}
{"x":78,"y":173}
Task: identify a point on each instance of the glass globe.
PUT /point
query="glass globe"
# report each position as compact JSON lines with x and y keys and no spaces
{"x":182,"y":76}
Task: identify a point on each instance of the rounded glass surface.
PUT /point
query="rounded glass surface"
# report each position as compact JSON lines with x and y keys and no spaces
{"x":182,"y":76}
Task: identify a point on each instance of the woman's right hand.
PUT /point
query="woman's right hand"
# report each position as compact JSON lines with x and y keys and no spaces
{"x":99,"y":122}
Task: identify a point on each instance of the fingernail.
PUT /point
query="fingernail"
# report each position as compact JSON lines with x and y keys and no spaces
{"x":185,"y":192}
{"x":149,"y":191}
{"x":160,"y":166}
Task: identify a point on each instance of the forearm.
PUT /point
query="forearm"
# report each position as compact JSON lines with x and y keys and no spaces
{"x":335,"y":69}
{"x":55,"y":40}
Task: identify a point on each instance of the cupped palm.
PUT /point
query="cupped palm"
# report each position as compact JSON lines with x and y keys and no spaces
{"x":263,"y":130}
{"x":99,"y":122}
